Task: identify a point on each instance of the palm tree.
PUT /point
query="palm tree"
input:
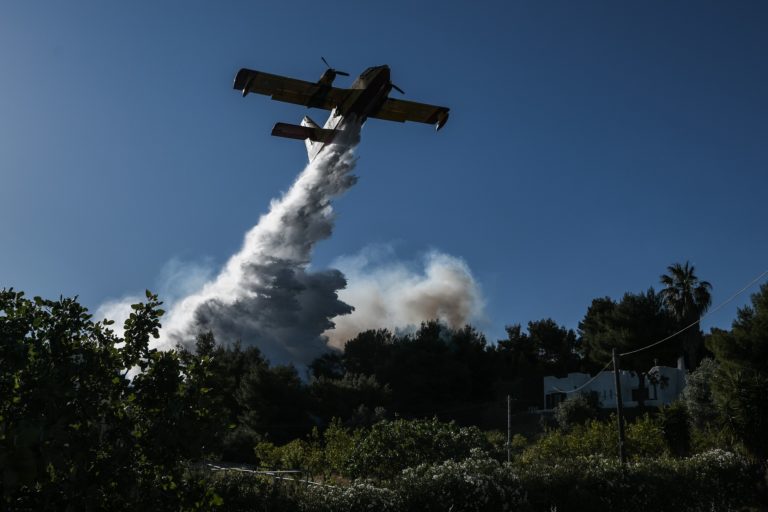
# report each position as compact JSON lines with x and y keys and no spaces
{"x":687,"y":298}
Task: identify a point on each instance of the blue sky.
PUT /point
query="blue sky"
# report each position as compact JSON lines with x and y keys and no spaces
{"x":590,"y":145}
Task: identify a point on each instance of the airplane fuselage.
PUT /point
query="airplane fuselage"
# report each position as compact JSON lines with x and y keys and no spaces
{"x":370,"y":90}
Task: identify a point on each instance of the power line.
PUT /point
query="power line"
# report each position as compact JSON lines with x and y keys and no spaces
{"x":753,"y":281}
{"x":609,"y":363}
{"x":629,"y":353}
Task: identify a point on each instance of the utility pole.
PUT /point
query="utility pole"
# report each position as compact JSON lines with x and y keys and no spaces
{"x":509,"y":429}
{"x":619,"y":408}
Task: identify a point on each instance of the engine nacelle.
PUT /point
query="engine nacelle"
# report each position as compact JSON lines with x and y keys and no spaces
{"x":328,"y":77}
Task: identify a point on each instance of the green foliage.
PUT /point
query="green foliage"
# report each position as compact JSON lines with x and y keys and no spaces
{"x":339,"y":444}
{"x":432,"y":370}
{"x":743,"y":400}
{"x":72,"y":423}
{"x":675,"y":421}
{"x":714,"y":480}
{"x":697,"y":394}
{"x":645,"y":438}
{"x":713,"y":437}
{"x":352,"y":498}
{"x":628,"y":324}
{"x":498,"y":444}
{"x":742,"y":378}
{"x":391,"y":446}
{"x":355,"y":397}
{"x":273,"y":400}
{"x":576,"y":410}
{"x":686,"y":297}
{"x":475,"y":484}
{"x":242,"y":492}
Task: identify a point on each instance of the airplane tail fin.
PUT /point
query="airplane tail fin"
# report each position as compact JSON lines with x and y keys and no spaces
{"x":312,"y":147}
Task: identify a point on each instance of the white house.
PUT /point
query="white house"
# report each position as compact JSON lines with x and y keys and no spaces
{"x":663,"y":385}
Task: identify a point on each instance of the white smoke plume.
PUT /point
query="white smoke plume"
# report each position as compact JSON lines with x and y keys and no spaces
{"x":264,"y":295}
{"x":397,"y":296}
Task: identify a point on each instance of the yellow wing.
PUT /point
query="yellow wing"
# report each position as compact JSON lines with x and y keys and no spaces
{"x":289,"y":90}
{"x":401,"y":111}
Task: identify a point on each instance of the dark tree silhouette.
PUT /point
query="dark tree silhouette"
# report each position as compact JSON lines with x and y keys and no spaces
{"x":687,"y":298}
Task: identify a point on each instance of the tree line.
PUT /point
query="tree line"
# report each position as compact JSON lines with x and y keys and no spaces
{"x":103,"y":420}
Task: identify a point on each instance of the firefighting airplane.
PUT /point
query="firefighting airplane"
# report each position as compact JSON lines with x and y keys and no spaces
{"x":368,"y":97}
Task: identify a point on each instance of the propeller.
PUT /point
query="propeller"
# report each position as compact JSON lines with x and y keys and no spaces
{"x":342,"y":73}
{"x":397,"y":88}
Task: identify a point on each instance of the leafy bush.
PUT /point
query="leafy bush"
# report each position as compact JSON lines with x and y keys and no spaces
{"x":339,"y":445}
{"x":391,"y":446}
{"x":74,"y":426}
{"x":598,"y":438}
{"x":241,"y":492}
{"x":645,"y":438}
{"x":354,"y":498}
{"x":741,"y":379}
{"x":715,"y":480}
{"x":697,"y":394}
{"x":477,"y":483}
{"x":675,"y":426}
{"x":576,"y":410}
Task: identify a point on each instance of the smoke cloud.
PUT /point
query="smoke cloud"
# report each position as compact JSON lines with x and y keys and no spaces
{"x":399,"y":296}
{"x":266,"y":296}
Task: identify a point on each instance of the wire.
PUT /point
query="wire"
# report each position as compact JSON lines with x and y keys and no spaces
{"x":697,"y":321}
{"x":609,"y":363}
{"x":629,"y":353}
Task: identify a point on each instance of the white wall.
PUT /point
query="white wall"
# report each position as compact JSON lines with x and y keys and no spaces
{"x":666,"y":392}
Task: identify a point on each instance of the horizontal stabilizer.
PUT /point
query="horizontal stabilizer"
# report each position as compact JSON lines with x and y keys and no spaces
{"x":293,"y":131}
{"x":308,"y":121}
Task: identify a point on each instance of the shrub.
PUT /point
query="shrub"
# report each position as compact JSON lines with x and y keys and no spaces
{"x":354,"y":498}
{"x":339,"y":445}
{"x":238,"y":444}
{"x":675,"y":426}
{"x":391,"y":446}
{"x":644,"y":438}
{"x":477,"y":483}
{"x":577,"y":410}
{"x":715,"y":480}
{"x":697,"y":394}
